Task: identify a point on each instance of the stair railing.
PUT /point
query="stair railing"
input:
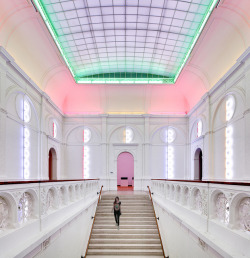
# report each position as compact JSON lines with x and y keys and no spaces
{"x":93,"y":221}
{"x":156,"y":220}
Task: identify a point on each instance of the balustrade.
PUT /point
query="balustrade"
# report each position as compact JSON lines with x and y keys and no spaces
{"x":20,"y":201}
{"x":228,"y":204}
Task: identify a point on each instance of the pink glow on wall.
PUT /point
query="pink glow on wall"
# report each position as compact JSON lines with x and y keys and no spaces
{"x":125,"y":167}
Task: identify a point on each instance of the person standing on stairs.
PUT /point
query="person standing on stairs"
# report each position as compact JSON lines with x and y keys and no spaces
{"x":117,"y":210}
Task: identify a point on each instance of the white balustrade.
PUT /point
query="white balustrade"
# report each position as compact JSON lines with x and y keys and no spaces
{"x":228,"y":204}
{"x":19,"y":203}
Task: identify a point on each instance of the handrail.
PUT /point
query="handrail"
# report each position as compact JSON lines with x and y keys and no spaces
{"x":93,"y":222}
{"x":156,"y":221}
{"x":204,"y":182}
{"x":43,"y":181}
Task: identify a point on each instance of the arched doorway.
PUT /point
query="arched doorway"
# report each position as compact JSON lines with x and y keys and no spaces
{"x":198,"y":164}
{"x":125,"y":171}
{"x":52,"y":164}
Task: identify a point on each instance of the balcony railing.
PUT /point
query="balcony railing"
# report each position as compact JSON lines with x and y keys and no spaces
{"x":37,"y":206}
{"x":214,"y":209}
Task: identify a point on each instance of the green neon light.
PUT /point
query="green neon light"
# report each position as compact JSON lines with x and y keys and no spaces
{"x":199,"y":30}
{"x":94,"y":71}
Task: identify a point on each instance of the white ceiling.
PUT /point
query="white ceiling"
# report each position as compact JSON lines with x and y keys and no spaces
{"x":225,"y":37}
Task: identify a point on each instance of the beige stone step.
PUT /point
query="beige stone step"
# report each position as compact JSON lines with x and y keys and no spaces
{"x":126,"y":211}
{"x":125,"y":231}
{"x":126,"y":236}
{"x":125,"y":252}
{"x":125,"y":226}
{"x":120,"y":256}
{"x":124,"y":222}
{"x":126,"y":218}
{"x":128,"y":214}
{"x":101,"y":241}
{"x":125,"y":246}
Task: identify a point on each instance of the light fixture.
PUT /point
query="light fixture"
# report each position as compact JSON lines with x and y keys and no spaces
{"x":86,"y":153}
{"x":230,"y":107}
{"x":128,"y":135}
{"x":199,"y":128}
{"x":26,"y":153}
{"x":54,"y":130}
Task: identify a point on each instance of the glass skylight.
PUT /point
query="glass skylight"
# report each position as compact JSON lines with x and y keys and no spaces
{"x":125,"y":41}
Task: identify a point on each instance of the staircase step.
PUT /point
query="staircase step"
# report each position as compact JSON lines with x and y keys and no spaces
{"x":149,"y":214}
{"x":111,"y":222}
{"x":125,"y":252}
{"x":126,"y":236}
{"x":125,"y":246}
{"x":102,"y":241}
{"x":124,"y":226}
{"x":125,"y":231}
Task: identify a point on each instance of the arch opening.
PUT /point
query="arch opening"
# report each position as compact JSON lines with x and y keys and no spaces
{"x":52,"y":164}
{"x":125,"y":171}
{"x":198,"y":164}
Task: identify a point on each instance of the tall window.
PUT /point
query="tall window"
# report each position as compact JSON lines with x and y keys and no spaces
{"x":230,"y":108}
{"x":54,"y":130}
{"x":168,"y":136}
{"x":26,"y":139}
{"x":199,"y":128}
{"x":86,"y":150}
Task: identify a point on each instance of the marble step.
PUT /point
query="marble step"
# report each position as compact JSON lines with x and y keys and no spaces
{"x":125,"y":231}
{"x":102,"y":241}
{"x":129,"y":252}
{"x":125,"y":246}
{"x":126,"y":236}
{"x":125,"y":226}
{"x":125,"y":211}
{"x":111,"y":222}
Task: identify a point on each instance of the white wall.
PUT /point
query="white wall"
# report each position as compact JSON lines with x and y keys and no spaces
{"x":147,"y":147}
{"x":211,"y":110}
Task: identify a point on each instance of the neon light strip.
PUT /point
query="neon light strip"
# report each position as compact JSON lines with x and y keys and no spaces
{"x":85,"y":158}
{"x":26,"y":141}
{"x":229,"y":152}
{"x":213,"y":4}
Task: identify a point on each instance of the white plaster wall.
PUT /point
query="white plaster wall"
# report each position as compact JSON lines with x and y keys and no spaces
{"x":69,"y":241}
{"x":13,"y":84}
{"x":147,"y":147}
{"x":178,"y":241}
{"x":211,"y":110}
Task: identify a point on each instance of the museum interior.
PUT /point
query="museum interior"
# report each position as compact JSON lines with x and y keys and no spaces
{"x":147,"y":100}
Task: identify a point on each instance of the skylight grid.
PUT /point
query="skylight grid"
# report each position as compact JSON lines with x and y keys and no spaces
{"x":144,"y":40}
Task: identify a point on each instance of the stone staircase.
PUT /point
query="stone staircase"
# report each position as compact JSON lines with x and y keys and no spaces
{"x":137,"y":236}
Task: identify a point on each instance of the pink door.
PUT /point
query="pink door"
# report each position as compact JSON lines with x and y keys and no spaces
{"x":125,"y":167}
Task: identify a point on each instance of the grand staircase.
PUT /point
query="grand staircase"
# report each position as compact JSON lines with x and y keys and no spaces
{"x":137,"y":236}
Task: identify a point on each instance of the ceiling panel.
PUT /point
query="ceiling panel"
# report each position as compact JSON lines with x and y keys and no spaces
{"x":125,"y":41}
